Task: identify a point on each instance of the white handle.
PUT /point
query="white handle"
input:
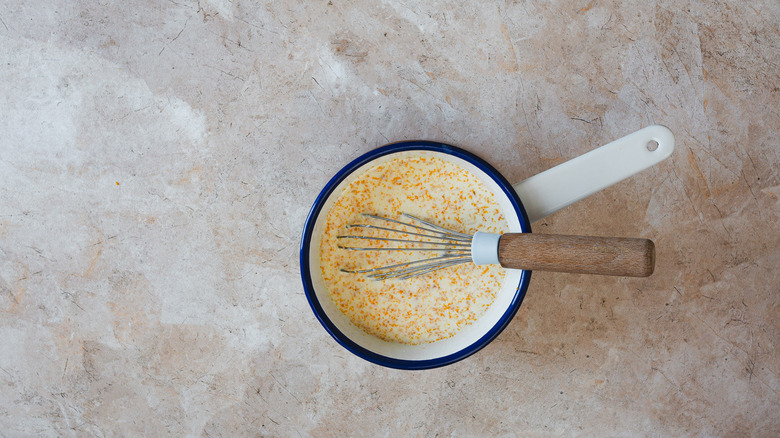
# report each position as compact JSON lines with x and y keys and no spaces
{"x":545,"y":193}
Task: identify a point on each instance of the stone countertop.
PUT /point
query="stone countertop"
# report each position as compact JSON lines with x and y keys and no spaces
{"x":158,"y":159}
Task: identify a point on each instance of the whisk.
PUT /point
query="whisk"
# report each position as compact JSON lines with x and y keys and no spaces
{"x":618,"y":256}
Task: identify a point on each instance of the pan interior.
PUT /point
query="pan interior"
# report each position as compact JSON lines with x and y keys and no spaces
{"x":468,"y":335}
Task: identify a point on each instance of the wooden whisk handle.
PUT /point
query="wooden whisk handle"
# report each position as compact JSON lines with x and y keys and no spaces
{"x":577,"y":254}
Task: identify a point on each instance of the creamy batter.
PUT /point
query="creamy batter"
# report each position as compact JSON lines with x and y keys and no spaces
{"x":421,"y":309}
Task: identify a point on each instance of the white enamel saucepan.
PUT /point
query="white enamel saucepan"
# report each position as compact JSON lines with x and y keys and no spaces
{"x":522,"y":204}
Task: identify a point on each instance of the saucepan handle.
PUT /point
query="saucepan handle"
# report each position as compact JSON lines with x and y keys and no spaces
{"x":545,"y":193}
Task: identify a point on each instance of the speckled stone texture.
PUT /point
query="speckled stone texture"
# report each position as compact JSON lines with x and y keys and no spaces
{"x":158,"y":159}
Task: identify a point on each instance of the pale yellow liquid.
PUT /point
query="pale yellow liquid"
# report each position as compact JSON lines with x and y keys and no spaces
{"x":423,"y":309}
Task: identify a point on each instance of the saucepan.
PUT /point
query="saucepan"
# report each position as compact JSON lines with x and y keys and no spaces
{"x":522,"y":204}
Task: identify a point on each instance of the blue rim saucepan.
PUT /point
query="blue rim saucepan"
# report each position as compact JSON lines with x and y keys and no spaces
{"x":543,"y":193}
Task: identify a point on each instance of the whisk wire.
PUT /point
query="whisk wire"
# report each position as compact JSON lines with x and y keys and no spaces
{"x":441,"y":236}
{"x":448,"y":245}
{"x":438,"y":228}
{"x":433,"y":227}
{"x":447,"y":258}
{"x":455,"y":248}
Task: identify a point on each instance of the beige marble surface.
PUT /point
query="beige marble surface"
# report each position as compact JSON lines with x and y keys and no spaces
{"x":157,"y":161}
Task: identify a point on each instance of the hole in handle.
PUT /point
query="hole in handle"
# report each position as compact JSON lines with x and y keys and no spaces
{"x":652,"y":145}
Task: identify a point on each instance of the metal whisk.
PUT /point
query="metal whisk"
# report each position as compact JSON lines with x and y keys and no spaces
{"x":454,"y":248}
{"x":560,"y":253}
